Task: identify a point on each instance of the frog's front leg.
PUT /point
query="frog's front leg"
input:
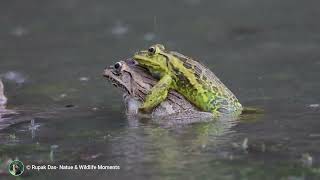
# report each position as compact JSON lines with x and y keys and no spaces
{"x":157,"y":94}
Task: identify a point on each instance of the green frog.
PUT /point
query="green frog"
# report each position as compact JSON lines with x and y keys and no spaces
{"x":197,"y":83}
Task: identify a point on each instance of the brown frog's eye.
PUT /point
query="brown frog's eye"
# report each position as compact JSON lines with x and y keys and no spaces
{"x":152,"y":50}
{"x":118,"y":66}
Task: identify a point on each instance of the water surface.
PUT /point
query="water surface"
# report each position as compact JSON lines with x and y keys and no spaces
{"x":266,"y":52}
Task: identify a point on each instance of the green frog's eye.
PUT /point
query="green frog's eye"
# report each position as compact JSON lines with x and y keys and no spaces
{"x":152,"y":50}
{"x":118,"y":65}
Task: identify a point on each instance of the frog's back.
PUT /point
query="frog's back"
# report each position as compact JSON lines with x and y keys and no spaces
{"x":209,"y":93}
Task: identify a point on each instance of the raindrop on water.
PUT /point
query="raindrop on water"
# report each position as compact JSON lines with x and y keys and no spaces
{"x":84,"y":78}
{"x":19,"y":31}
{"x":314,"y":105}
{"x":33,"y":127}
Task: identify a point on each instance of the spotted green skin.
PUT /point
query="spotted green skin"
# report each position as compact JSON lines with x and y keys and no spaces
{"x":188,"y":77}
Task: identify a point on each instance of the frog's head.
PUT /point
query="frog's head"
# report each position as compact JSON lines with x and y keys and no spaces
{"x":154,"y":59}
{"x":118,"y":75}
{"x":134,"y":80}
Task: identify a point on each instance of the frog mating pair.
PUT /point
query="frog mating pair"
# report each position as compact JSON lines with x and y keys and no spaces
{"x":174,"y":74}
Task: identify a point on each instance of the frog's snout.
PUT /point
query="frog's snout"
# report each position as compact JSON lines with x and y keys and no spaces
{"x":106,"y":71}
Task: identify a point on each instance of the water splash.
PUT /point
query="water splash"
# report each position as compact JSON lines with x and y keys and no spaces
{"x":33,"y":128}
{"x":14,"y":76}
{"x":52,"y":149}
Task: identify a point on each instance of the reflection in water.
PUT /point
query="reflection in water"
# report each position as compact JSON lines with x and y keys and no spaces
{"x":168,"y":148}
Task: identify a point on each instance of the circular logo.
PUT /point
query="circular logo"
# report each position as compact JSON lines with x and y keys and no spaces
{"x":16,"y":168}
